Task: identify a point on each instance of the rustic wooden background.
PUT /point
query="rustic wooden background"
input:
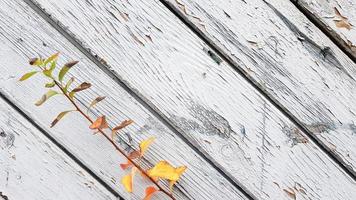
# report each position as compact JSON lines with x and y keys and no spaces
{"x":256,"y":97}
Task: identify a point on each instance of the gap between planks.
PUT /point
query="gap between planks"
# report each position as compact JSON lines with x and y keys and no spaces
{"x":59,"y":27}
{"x":141,"y":99}
{"x":61,"y":147}
{"x":333,"y":36}
{"x":337,"y":159}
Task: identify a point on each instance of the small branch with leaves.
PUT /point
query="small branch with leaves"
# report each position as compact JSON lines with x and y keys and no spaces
{"x":162,"y":171}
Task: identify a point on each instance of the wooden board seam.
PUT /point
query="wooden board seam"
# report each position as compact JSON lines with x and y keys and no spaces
{"x":220,"y":52}
{"x":331,"y":34}
{"x":259,"y":87}
{"x":135,"y":94}
{"x":60,"y":146}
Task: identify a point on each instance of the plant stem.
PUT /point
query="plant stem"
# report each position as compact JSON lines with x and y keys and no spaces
{"x":113,"y":143}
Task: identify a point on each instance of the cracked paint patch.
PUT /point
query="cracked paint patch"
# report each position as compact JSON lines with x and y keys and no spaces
{"x":317,"y":128}
{"x":7,"y":139}
{"x":295,"y":135}
{"x":207,"y":122}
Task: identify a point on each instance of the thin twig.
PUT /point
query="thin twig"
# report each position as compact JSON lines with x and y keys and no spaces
{"x":113,"y":143}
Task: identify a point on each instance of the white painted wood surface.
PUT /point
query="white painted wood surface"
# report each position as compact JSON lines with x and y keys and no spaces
{"x":324,"y":12}
{"x":32,"y":167}
{"x":293,"y":61}
{"x":212,"y":105}
{"x":25,"y":34}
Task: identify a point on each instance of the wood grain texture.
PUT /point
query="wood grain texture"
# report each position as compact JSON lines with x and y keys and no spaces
{"x":24,"y":34}
{"x":327,"y":14}
{"x":290,"y":59}
{"x":177,"y":74}
{"x":32,"y":167}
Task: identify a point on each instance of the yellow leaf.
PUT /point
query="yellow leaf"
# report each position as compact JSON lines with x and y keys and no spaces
{"x":50,"y":84}
{"x":149,"y":192}
{"x":127,"y":180}
{"x":179,"y":170}
{"x":48,"y":72}
{"x":147,"y":177}
{"x":51,"y":58}
{"x":99,"y":123}
{"x":166,"y":171}
{"x":145,"y":144}
{"x":70,"y":81}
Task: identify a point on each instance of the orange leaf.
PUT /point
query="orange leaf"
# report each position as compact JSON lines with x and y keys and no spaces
{"x":99,"y":123}
{"x":341,"y":21}
{"x":132,"y":155}
{"x":125,"y":165}
{"x":145,"y":144}
{"x":149,"y":192}
{"x":166,"y":171}
{"x":121,"y":126}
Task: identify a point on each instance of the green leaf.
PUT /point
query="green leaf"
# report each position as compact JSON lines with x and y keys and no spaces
{"x":59,"y":117}
{"x":27,"y":75}
{"x":50,"y":85}
{"x":95,"y":101}
{"x":70,"y":81}
{"x":46,"y":96}
{"x":65,"y":69}
{"x":48,"y":72}
{"x":51,"y":58}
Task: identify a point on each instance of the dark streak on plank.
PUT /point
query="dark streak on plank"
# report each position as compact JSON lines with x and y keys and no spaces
{"x":60,"y":146}
{"x":3,"y":196}
{"x":136,"y":95}
{"x":261,"y":88}
{"x":331,"y":34}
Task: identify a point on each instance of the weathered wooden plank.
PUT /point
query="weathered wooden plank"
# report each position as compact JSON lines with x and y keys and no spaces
{"x":338,"y":18}
{"x":290,"y":59}
{"x":32,"y":167}
{"x":24,"y":34}
{"x":150,"y":50}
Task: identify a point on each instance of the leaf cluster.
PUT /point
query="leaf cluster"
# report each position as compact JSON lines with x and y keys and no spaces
{"x":161,"y":171}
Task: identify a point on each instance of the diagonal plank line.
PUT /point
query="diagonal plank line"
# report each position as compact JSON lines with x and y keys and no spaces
{"x":335,"y":158}
{"x":59,"y":145}
{"x":332,"y":35}
{"x":137,"y":96}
